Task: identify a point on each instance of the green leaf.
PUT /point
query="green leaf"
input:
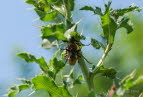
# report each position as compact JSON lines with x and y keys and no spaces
{"x":110,"y":18}
{"x":27,"y":57}
{"x":77,"y":36}
{"x":72,"y":31}
{"x":46,"y":16}
{"x":125,"y":24}
{"x":53,"y":30}
{"x":107,"y":7}
{"x":17,"y":89}
{"x":23,"y":87}
{"x":63,"y":6}
{"x":57,"y":65}
{"x":31,"y":58}
{"x":42,"y":63}
{"x":96,"y":44}
{"x":91,"y":94}
{"x":109,"y":27}
{"x":120,"y":12}
{"x":44,"y":82}
{"x":12,"y":94}
{"x":69,"y":5}
{"x":88,"y":8}
{"x":24,"y":81}
{"x":97,"y":10}
{"x":127,"y":82}
{"x":78,"y":80}
{"x":43,"y":9}
{"x":32,"y":2}
{"x":107,"y":72}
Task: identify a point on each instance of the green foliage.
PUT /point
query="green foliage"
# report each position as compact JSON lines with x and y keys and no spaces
{"x":78,"y":80}
{"x":127,"y":82}
{"x":96,"y":44}
{"x":43,"y":9}
{"x":53,"y":32}
{"x":52,"y":68}
{"x":49,"y":9}
{"x":64,"y":29}
{"x":125,"y":23}
{"x":91,"y":94}
{"x":110,"y":20}
{"x":107,"y":72}
{"x":17,"y":89}
{"x":44,"y":82}
{"x":31,"y":58}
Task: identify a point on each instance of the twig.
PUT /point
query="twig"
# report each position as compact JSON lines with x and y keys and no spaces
{"x":108,"y":48}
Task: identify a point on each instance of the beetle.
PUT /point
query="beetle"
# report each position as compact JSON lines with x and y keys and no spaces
{"x":73,"y":51}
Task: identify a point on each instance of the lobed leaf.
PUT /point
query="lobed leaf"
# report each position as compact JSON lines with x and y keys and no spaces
{"x":72,"y":31}
{"x":55,"y":31}
{"x":127,"y":82}
{"x":121,"y":12}
{"x":110,"y":19}
{"x":96,"y":44}
{"x":27,"y":57}
{"x":97,"y":10}
{"x":88,"y":8}
{"x":57,"y":64}
{"x":107,"y":72}
{"x":44,"y":82}
{"x":46,"y":16}
{"x":43,"y":9}
{"x":125,"y":24}
{"x":31,"y":58}
{"x":17,"y":89}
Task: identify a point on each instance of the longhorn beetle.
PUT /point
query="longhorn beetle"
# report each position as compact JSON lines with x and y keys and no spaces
{"x":73,"y":51}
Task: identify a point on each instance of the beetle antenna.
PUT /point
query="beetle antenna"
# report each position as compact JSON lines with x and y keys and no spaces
{"x":62,"y":49}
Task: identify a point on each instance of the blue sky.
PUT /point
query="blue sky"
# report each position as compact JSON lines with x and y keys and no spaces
{"x":18,"y":31}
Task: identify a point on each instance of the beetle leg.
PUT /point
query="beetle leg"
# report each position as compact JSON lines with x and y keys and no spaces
{"x":84,"y":58}
{"x":65,"y":61}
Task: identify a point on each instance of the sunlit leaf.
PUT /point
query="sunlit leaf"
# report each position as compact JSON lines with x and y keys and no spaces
{"x":42,"y":63}
{"x":17,"y":89}
{"x":27,"y":57}
{"x":53,"y":30}
{"x":46,"y":16}
{"x":44,"y":82}
{"x":57,"y":65}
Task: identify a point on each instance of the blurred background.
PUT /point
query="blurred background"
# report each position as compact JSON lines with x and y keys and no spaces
{"x":18,"y":33}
